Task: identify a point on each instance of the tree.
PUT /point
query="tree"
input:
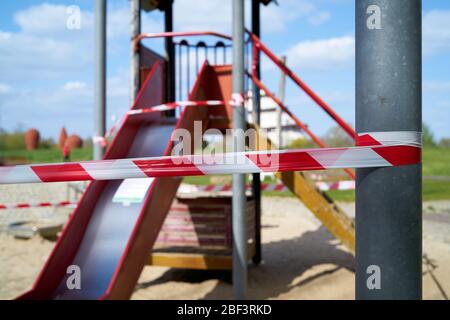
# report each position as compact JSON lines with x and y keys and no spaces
{"x":427,"y":136}
{"x":301,"y":143}
{"x":336,"y":137}
{"x":444,"y":143}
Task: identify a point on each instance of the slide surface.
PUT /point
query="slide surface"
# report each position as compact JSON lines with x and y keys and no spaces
{"x":109,"y":236}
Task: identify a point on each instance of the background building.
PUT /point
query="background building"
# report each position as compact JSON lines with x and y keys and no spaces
{"x":272,"y":121}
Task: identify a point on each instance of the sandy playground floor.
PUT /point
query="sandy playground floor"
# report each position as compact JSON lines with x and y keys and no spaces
{"x":300,"y":261}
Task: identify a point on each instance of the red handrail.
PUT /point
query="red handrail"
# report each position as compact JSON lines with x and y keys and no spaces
{"x":137,"y":39}
{"x":297,"y":121}
{"x":260,"y":46}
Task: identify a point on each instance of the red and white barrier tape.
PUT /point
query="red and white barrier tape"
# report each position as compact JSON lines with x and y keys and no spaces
{"x":383,"y":149}
{"x":337,"y":185}
{"x":37,"y":205}
{"x":174,"y":105}
{"x":321,"y":185}
{"x":102,"y":141}
{"x":237,"y":99}
{"x":189,"y":188}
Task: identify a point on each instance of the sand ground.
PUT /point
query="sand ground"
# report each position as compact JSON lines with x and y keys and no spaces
{"x":301,"y":260}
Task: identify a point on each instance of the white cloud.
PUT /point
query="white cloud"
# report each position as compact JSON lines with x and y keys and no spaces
{"x":44,"y":48}
{"x":319,"y":18}
{"x":43,"y":57}
{"x":275,"y":18}
{"x":436,"y":86}
{"x":332,"y":53}
{"x":203,"y":15}
{"x":118,"y":21}
{"x":50,"y":20}
{"x":74,"y":85}
{"x":4,"y":88}
{"x":323,"y":54}
{"x":436,"y":31}
{"x":216,"y":15}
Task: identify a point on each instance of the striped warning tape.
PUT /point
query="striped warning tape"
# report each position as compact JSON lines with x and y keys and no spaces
{"x":237,"y":100}
{"x":103,"y":140}
{"x":337,"y":185}
{"x":37,"y":205}
{"x":380,"y":149}
{"x":321,"y":185}
{"x":174,"y":105}
{"x":190,"y":188}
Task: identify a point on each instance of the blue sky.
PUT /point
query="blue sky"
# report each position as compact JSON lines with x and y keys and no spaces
{"x":46,"y":70}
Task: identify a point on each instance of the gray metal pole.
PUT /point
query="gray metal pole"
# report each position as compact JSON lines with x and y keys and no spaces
{"x":279,"y":111}
{"x":135,"y":57}
{"x":100,"y":76}
{"x":170,"y":54}
{"x":388,"y":200}
{"x":239,"y":200}
{"x":170,"y":57}
{"x":256,"y":102}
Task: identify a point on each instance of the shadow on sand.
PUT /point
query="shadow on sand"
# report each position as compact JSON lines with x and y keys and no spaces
{"x":283,"y":263}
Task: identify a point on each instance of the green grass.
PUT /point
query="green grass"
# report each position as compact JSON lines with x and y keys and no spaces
{"x":342,"y":195}
{"x":46,"y":155}
{"x":432,"y":190}
{"x":436,"y":190}
{"x":283,"y":194}
{"x":436,"y":161}
{"x":197,"y":180}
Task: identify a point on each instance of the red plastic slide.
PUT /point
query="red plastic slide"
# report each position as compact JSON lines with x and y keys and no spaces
{"x":110,"y":234}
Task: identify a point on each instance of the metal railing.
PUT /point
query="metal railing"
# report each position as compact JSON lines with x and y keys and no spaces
{"x":190,"y":55}
{"x":258,"y":47}
{"x":188,"y":66}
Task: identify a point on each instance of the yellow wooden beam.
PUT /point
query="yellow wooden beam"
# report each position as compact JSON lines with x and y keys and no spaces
{"x":191,"y":261}
{"x":331,"y":216}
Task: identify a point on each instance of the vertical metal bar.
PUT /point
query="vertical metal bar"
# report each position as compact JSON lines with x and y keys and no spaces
{"x":256,"y":106}
{"x":180,"y":72}
{"x":170,"y":55}
{"x":135,"y":57}
{"x":239,"y":223}
{"x":196,"y":60}
{"x":188,"y":69}
{"x":224,"y":54}
{"x":279,"y":111}
{"x":246,"y":67}
{"x":388,"y":200}
{"x":100,"y":76}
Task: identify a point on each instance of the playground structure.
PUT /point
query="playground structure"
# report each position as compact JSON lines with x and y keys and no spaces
{"x":111,"y":241}
{"x":97,"y":210}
